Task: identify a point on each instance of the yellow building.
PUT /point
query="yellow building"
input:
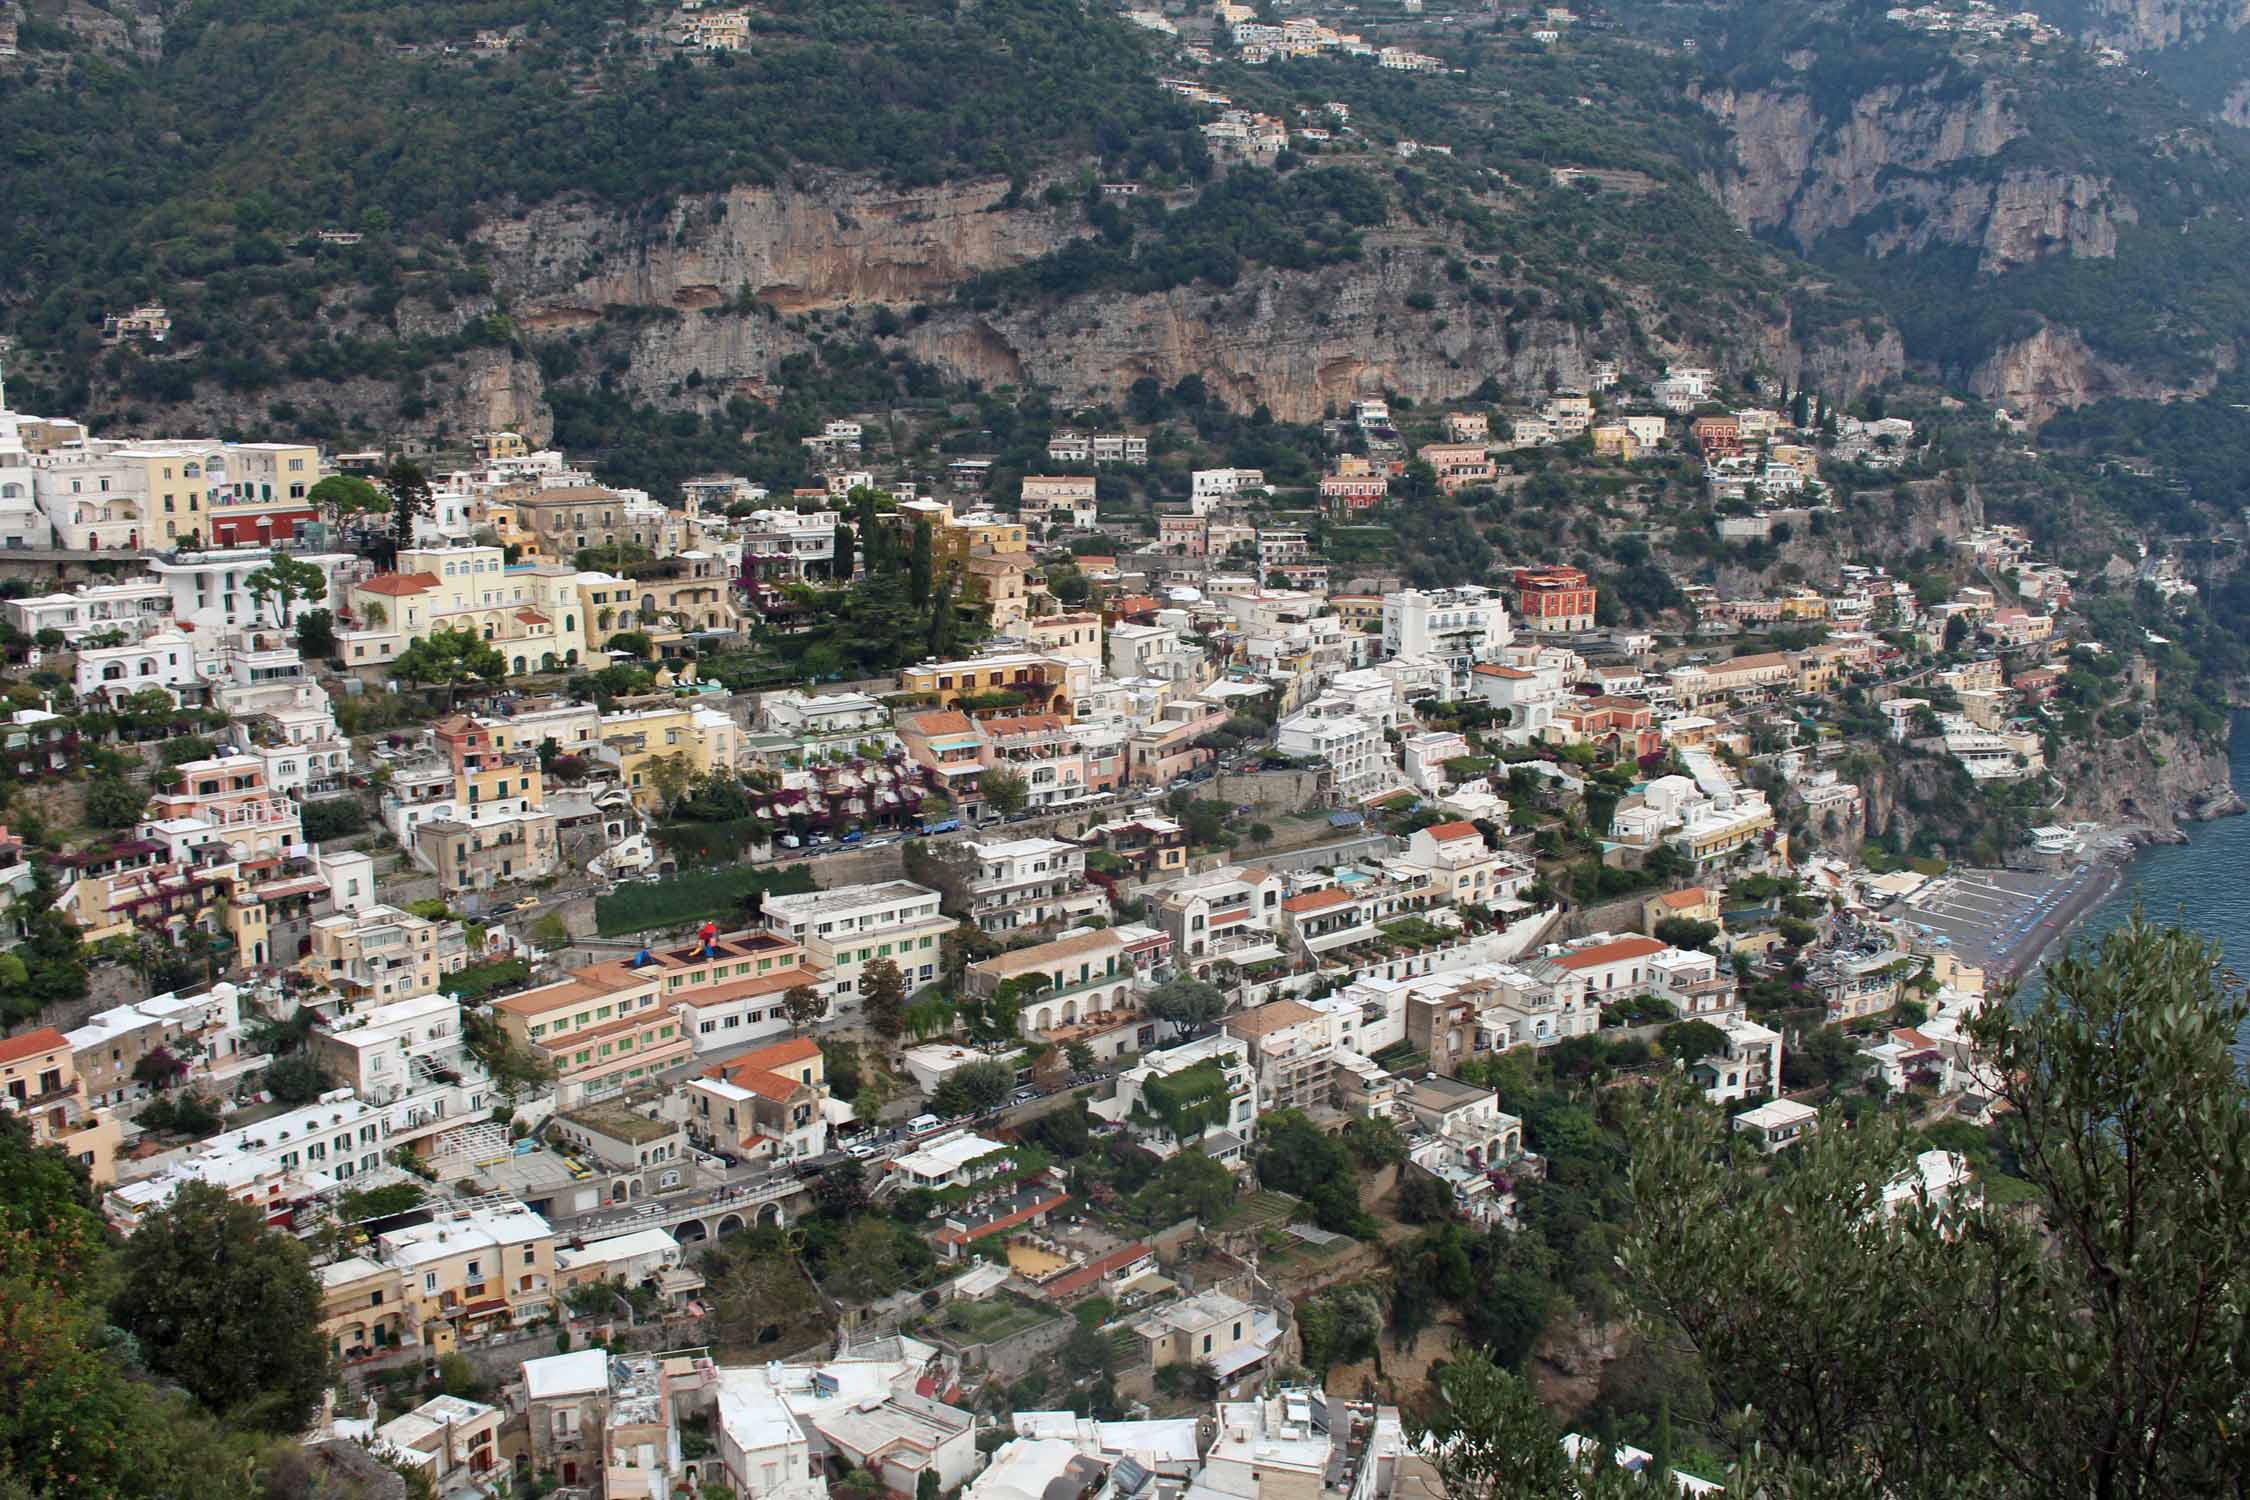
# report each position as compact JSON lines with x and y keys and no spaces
{"x":40,"y":1076}
{"x":703,"y":739}
{"x":471,"y":1270}
{"x":1037,"y":683}
{"x":534,"y":613}
{"x":961,"y":537}
{"x":1616,"y":440}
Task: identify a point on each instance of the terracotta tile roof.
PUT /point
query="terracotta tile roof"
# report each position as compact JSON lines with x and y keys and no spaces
{"x":1047,"y":1204}
{"x":531,"y":617}
{"x":594,"y":982}
{"x":1334,"y":896}
{"x":1274,"y":1015}
{"x":782,"y":1054}
{"x":395,"y":584}
{"x":1061,"y":950}
{"x":1447,"y":832}
{"x":1694,"y":895}
{"x":1610,"y":953}
{"x":1070,"y":1283}
{"x":1024,"y":723}
{"x":32,"y":1043}
{"x":938,"y":721}
{"x":1506,"y":674}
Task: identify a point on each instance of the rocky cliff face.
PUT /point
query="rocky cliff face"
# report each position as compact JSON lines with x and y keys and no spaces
{"x":727,"y":275}
{"x":2151,"y":781}
{"x":1905,"y":171}
{"x":2053,"y":368}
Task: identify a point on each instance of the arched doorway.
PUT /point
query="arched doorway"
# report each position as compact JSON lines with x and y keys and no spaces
{"x":769,"y":1215}
{"x":731,"y":1224}
{"x":691,"y":1231}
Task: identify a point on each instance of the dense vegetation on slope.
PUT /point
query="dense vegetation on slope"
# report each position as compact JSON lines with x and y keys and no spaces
{"x":268,"y":119}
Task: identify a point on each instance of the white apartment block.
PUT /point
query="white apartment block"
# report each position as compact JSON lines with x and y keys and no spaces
{"x":164,"y":659}
{"x":1028,"y":883}
{"x":1460,"y":627}
{"x":1352,"y":748}
{"x":135,"y":607}
{"x":845,"y":929}
{"x":211,"y":589}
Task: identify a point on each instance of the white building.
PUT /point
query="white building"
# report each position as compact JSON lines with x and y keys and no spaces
{"x":779,"y":1425}
{"x":164,"y":659}
{"x":211,"y":589}
{"x":1224,"y":1117}
{"x":845,"y":929}
{"x":1458,"y":626}
{"x":133,"y":608}
{"x":1028,"y":883}
{"x":1352,"y":748}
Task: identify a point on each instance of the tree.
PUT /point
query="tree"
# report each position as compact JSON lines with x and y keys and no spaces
{"x":945,"y":622}
{"x":1375,"y":1143}
{"x":1491,"y":1438}
{"x":926,"y":1486}
{"x":635,"y":643}
{"x":343,"y":495}
{"x":882,"y":992}
{"x":452,"y":660}
{"x":669,"y":776}
{"x":316,"y":633}
{"x":1938,"y":1347}
{"x":1261,"y":833}
{"x":840,"y":1192}
{"x":846,"y":554}
{"x":1087,"y":1353}
{"x":515,"y":1069}
{"x":1689,"y":1042}
{"x":227,"y":1307}
{"x":986,"y":1083}
{"x":803,"y":1005}
{"x":1005,"y":791}
{"x":1080,"y":1057}
{"x":865,"y":1263}
{"x":755,"y":1291}
{"x":1422,"y":1199}
{"x":283,"y":582}
{"x":918,"y":566}
{"x":112,"y":801}
{"x":1686,"y":932}
{"x":410,"y":499}
{"x":1189,"y":1004}
{"x":1190,"y":1185}
{"x":294,"y":1079}
{"x":158,"y":1069}
{"x":551,"y":932}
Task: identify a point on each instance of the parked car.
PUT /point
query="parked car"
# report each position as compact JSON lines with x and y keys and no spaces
{"x":862,"y":1150}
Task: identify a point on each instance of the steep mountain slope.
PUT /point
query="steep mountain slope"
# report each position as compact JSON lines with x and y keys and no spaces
{"x":2045,"y":228}
{"x":2199,"y":47}
{"x":554,"y":193}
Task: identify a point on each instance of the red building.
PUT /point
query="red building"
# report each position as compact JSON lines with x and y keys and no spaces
{"x":1558,"y":598}
{"x":1718,"y":437}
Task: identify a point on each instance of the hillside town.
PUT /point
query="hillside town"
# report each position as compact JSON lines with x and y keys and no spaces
{"x":458,"y":867}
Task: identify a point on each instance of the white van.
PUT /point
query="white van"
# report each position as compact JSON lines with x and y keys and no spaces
{"x":924,"y":1124}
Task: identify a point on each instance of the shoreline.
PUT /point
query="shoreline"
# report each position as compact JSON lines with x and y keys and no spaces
{"x":2024,"y":957}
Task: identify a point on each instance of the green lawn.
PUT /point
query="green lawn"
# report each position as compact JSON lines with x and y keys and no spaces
{"x":699,"y":895}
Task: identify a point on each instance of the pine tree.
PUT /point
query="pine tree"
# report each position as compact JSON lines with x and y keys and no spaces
{"x":918,"y":576}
